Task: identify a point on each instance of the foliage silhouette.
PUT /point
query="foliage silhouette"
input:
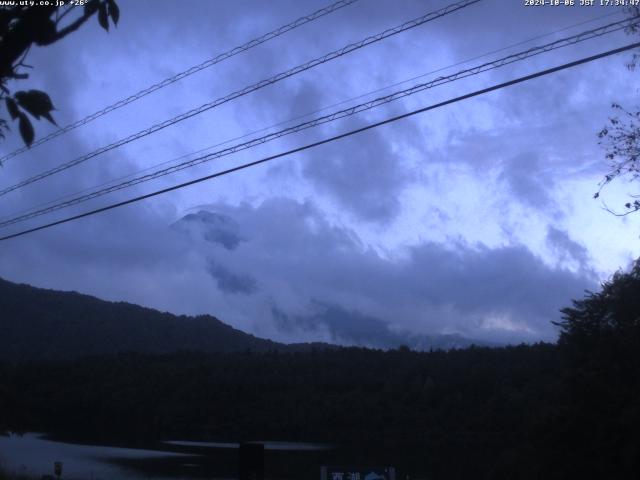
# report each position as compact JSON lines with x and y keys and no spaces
{"x":600,"y":342}
{"x":621,"y":138}
{"x":21,"y":27}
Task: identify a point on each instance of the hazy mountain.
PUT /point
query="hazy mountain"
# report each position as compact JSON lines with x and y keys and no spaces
{"x":342,"y":325}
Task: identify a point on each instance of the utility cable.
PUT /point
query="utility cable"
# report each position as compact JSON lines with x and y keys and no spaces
{"x":299,"y":117}
{"x":190,"y":71}
{"x":328,"y":140}
{"x":257,"y":86}
{"x":516,"y":57}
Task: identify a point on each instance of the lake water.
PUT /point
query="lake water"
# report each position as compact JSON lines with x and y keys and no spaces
{"x":34,"y":455}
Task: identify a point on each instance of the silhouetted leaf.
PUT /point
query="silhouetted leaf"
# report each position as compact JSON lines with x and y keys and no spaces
{"x":12,"y":108}
{"x":90,"y":7}
{"x":50,"y":118}
{"x":26,"y":129}
{"x":36,"y":102}
{"x":103,"y":17}
{"x":114,"y":11}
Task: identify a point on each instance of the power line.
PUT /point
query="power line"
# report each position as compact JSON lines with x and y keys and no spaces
{"x":328,"y":140}
{"x":190,"y":71}
{"x":462,"y":62}
{"x":516,"y":57}
{"x":284,"y":122}
{"x":257,"y":86}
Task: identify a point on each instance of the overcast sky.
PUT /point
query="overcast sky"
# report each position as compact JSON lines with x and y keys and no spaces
{"x":476,"y":218}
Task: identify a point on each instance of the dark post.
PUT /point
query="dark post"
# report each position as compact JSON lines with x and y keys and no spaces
{"x":57,"y":469}
{"x":251,"y":465}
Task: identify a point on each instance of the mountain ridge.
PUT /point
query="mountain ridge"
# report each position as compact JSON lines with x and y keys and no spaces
{"x":44,"y":324}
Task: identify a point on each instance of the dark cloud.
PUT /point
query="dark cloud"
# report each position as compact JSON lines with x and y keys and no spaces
{"x":528,"y":182}
{"x":566,"y":248}
{"x":350,"y":327}
{"x":318,"y":273}
{"x":365,"y":175}
{"x":229,"y":282}
{"x":503,"y":284}
{"x":214,"y":227}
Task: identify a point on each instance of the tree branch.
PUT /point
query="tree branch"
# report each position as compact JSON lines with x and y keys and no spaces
{"x":72,"y":27}
{"x":605,"y":207}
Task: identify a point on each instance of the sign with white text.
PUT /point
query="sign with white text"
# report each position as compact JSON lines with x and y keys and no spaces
{"x":357,"y":473}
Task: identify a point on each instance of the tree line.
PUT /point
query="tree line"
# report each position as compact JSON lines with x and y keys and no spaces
{"x":531,"y":411}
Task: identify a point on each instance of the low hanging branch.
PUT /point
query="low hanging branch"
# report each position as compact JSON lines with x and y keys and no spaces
{"x":20,"y":28}
{"x":621,"y":139}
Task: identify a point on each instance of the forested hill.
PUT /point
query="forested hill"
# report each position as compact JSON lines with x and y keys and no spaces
{"x":41,"y":324}
{"x":36,"y":324}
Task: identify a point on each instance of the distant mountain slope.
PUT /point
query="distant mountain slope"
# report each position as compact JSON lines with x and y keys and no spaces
{"x":37,"y":323}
